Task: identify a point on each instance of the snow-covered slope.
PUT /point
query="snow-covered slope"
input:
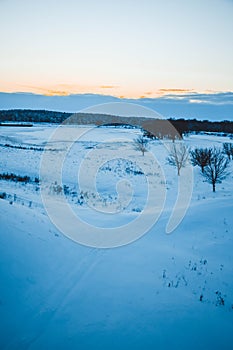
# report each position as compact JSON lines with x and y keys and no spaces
{"x":160,"y":292}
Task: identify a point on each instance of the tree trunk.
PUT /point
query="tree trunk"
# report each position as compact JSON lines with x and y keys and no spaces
{"x":213,"y":186}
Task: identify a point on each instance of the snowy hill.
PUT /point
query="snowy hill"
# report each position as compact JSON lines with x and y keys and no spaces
{"x":159,"y":292}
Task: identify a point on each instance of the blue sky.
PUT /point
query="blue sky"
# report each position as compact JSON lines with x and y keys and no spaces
{"x":121,"y":48}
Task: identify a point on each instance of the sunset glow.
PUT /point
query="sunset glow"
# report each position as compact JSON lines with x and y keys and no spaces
{"x":124,"y":48}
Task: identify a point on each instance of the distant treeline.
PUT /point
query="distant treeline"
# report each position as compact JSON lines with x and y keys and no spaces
{"x":158,"y":127}
{"x":184,"y":126}
{"x":32,"y":116}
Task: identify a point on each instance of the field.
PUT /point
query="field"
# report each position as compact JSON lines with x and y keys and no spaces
{"x":160,"y":291}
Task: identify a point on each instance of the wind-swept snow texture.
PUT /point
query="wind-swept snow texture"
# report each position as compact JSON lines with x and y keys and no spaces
{"x":160,"y":292}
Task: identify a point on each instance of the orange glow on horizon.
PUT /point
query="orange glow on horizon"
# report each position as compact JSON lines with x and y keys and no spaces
{"x":111,"y":90}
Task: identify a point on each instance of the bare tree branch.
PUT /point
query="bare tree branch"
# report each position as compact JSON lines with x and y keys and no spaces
{"x":141,"y":143}
{"x":200,"y":157}
{"x":216,"y":170}
{"x":228,"y":149}
{"x":178,"y":157}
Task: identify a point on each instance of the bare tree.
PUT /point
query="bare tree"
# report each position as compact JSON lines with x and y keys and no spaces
{"x":216,"y":170}
{"x":200,"y":157}
{"x":141,"y":143}
{"x":228,"y":149}
{"x":178,"y":157}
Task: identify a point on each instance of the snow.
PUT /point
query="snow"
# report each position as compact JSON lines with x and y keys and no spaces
{"x":159,"y":292}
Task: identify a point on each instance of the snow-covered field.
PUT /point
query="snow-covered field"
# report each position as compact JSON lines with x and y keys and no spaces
{"x":159,"y":292}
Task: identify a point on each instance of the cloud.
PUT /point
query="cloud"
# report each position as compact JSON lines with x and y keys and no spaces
{"x":64,"y":89}
{"x":108,"y":87}
{"x":174,"y":91}
{"x":196,"y":101}
{"x":56,"y":92}
{"x":212,"y":98}
{"x":46,"y":92}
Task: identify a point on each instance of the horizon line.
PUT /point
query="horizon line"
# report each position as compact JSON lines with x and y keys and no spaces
{"x":160,"y":93}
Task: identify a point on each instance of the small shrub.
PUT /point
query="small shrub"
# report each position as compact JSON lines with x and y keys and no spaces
{"x":3,"y":195}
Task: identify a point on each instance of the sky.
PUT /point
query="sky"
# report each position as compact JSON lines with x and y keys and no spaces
{"x":122,"y":48}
